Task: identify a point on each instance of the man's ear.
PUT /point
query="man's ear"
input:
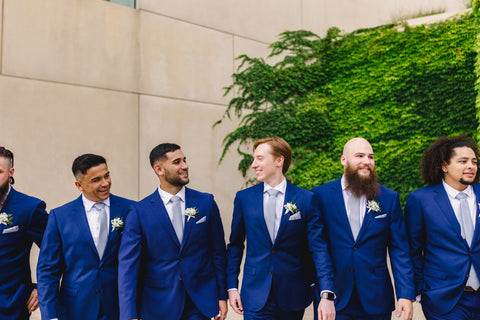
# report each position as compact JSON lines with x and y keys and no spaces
{"x":78,"y":185}
{"x":158,"y":168}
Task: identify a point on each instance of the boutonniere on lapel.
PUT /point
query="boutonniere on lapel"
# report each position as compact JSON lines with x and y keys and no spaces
{"x":117,"y":224}
{"x":6,"y":218}
{"x":191,"y":213}
{"x":290,"y":207}
{"x":373,"y":205}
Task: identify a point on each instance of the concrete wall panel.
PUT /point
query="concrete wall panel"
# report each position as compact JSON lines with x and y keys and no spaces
{"x":258,"y":20}
{"x":182,"y":60}
{"x":47,"y":125}
{"x":189,"y":124}
{"x":86,"y":42}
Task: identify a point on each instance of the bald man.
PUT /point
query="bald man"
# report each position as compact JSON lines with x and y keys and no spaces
{"x":362,"y":220}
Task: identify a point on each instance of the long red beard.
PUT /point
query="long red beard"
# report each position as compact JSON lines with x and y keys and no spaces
{"x":360,"y":185}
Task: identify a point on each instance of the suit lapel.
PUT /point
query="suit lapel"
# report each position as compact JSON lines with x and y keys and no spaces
{"x":115,"y":211}
{"x":159,"y":209}
{"x":442,"y":201}
{"x":476,"y":234}
{"x":256,"y":206}
{"x":339,"y":203}
{"x":10,"y":203}
{"x":190,"y":202}
{"x":290,"y":196}
{"x":80,"y":219}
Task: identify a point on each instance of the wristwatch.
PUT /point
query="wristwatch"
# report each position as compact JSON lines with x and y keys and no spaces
{"x":328,"y":295}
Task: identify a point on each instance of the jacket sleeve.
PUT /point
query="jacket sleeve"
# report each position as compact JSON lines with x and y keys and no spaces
{"x":129,"y":261}
{"x":219,"y":254}
{"x":50,"y":268}
{"x":236,"y":245}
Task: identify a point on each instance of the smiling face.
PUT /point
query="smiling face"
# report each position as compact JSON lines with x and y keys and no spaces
{"x":95,"y":184}
{"x":172,"y":171}
{"x":358,"y":156}
{"x":268,"y":168}
{"x":461,"y":169}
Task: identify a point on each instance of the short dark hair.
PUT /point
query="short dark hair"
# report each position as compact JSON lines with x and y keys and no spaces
{"x":5,"y":153}
{"x":440,"y":152}
{"x":86,"y":161}
{"x":280,"y":147}
{"x":160,"y":152}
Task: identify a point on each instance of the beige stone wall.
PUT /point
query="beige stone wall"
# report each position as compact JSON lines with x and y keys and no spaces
{"x":81,"y":76}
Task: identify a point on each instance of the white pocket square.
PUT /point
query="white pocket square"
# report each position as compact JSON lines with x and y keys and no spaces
{"x":381,"y":216}
{"x":296,"y":216}
{"x":201,"y":220}
{"x":11,"y":229}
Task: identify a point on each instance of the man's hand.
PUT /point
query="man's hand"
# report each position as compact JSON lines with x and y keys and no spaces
{"x":235,"y":301}
{"x":222,"y":307}
{"x":32,"y":303}
{"x":326,"y":310}
{"x":406,"y":306}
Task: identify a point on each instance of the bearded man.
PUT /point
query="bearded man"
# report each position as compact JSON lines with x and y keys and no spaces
{"x":22,"y":221}
{"x":172,"y":257}
{"x":362,"y":220}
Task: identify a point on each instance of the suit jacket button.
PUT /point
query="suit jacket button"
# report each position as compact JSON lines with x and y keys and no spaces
{"x":97,"y":291}
{"x":179,"y":278}
{"x":355,"y":247}
{"x":273,"y":251}
{"x":270,"y":271}
{"x":351,"y":269}
{"x":181,"y":259}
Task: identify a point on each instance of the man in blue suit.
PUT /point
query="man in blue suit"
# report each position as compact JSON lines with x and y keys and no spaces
{"x":77,"y":266}
{"x":444,"y":231}
{"x":284,"y":233}
{"x":172,"y":256}
{"x":363,"y":219}
{"x":22,"y":222}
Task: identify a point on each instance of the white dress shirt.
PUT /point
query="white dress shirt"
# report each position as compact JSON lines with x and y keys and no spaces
{"x":346,"y":197}
{"x":169,"y":205}
{"x":281,"y":187}
{"x":471,"y":200}
{"x":92,"y":217}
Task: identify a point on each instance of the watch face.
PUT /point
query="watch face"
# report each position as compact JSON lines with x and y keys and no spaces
{"x":328,"y":296}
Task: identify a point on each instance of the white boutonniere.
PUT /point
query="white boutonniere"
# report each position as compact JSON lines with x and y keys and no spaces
{"x":6,"y":218}
{"x":191,"y":213}
{"x":373,"y":205}
{"x":117,"y":224}
{"x":290,"y":207}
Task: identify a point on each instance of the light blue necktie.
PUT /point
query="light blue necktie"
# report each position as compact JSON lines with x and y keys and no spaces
{"x":177,"y":217}
{"x":467,"y":233}
{"x":354,"y":216}
{"x":270,"y":212}
{"x":103,"y":226}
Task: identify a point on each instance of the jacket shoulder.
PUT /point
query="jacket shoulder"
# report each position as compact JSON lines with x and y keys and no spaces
{"x":122,"y":201}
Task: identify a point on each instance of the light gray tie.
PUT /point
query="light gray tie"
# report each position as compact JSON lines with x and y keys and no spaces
{"x":354,"y":217}
{"x":103,"y":226}
{"x":177,"y":217}
{"x":467,"y":233}
{"x":270,"y":212}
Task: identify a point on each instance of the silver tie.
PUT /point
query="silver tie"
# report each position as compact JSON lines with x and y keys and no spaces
{"x":467,"y":233}
{"x":270,"y":212}
{"x":103,"y":226}
{"x":177,"y":217}
{"x":354,"y":216}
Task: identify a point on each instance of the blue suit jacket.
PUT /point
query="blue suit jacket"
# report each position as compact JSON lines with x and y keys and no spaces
{"x":284,"y":266}
{"x":155,"y":270}
{"x":68,"y":251}
{"x":441,"y":257}
{"x":16,"y":239}
{"x":364,"y":261}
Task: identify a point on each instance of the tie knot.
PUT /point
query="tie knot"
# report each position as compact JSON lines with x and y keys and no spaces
{"x":461,"y":196}
{"x":175,"y":199}
{"x":99,"y":205}
{"x":273,"y":192}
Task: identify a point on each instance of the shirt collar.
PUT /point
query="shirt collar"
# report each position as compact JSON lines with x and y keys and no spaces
{"x":452,"y":192}
{"x":282,"y":186}
{"x":88,"y":204}
{"x":167,"y":196}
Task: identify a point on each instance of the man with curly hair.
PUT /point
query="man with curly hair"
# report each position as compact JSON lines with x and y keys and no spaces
{"x":442,"y":222}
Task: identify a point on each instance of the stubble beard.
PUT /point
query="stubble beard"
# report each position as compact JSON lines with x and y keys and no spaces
{"x":3,"y":192}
